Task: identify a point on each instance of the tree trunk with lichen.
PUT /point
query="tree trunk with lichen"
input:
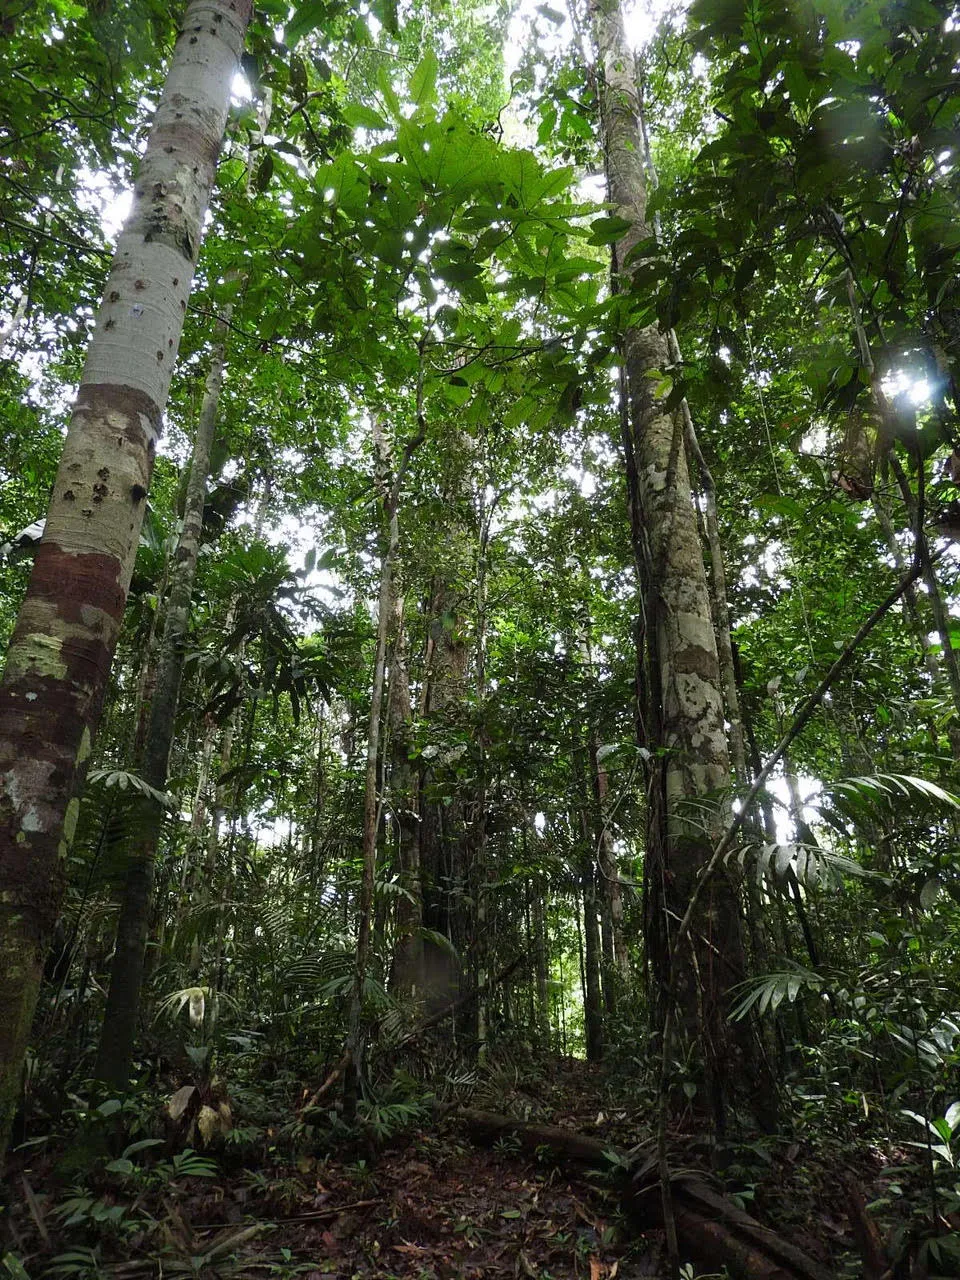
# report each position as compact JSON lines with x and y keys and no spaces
{"x":126,"y":974}
{"x":59,"y":659}
{"x":683,"y":701}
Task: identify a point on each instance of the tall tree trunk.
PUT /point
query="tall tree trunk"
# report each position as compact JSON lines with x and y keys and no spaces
{"x":617,"y":976}
{"x":62,"y":648}
{"x":126,"y":975}
{"x":541,"y":944}
{"x":685,"y":712}
{"x":948,"y":654}
{"x":718,"y":593}
{"x":593,"y":995}
{"x":390,"y":488}
{"x":592,"y":949}
{"x":406,"y":976}
{"x":483,"y":946}
{"x":912,"y":604}
{"x":442,"y":839}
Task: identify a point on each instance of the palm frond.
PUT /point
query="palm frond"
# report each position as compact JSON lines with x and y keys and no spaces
{"x":814,"y":866}
{"x":885,"y":791}
{"x":768,"y":991}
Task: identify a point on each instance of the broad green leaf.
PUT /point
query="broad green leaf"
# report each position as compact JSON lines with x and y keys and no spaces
{"x":357,"y":114}
{"x":306,"y":18}
{"x":606,"y":230}
{"x":423,"y":82}
{"x":385,"y":85}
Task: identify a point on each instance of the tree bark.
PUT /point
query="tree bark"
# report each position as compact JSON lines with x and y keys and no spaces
{"x":406,"y":976}
{"x":390,"y":488}
{"x":443,"y":845}
{"x":684,"y":712}
{"x":718,"y":593}
{"x":593,"y":1004}
{"x":593,"y":999}
{"x":118,"y":1036}
{"x":59,"y":659}
{"x":541,"y":967}
{"x":617,"y":978}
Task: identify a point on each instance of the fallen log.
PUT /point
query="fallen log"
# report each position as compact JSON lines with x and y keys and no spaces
{"x":564,"y":1142}
{"x":711,"y":1228}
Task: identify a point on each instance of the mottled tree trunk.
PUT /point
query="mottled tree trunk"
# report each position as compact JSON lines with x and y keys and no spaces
{"x":718,"y":597}
{"x":60,"y":655}
{"x":684,"y":711}
{"x":919,"y":627}
{"x":126,"y":974}
{"x":949,"y":661}
{"x":483,"y":944}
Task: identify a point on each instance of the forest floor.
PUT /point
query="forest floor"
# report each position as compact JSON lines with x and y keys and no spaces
{"x":430,"y":1205}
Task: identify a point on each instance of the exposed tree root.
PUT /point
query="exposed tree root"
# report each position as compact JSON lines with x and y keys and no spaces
{"x":712,"y":1230}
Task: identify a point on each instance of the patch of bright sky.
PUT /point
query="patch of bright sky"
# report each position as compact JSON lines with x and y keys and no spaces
{"x":905,"y":383}
{"x":641,"y":18}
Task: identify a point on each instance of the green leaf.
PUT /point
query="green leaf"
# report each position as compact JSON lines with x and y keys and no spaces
{"x":358,"y":115}
{"x":423,"y":82}
{"x":385,"y":85}
{"x":143,"y":1145}
{"x":306,"y":18}
{"x":120,"y":1166}
{"x":606,"y":230}
{"x":457,"y":272}
{"x":768,"y":991}
{"x":14,"y":1267}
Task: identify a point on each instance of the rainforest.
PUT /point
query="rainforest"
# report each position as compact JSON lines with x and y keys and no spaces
{"x":479,"y":728}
